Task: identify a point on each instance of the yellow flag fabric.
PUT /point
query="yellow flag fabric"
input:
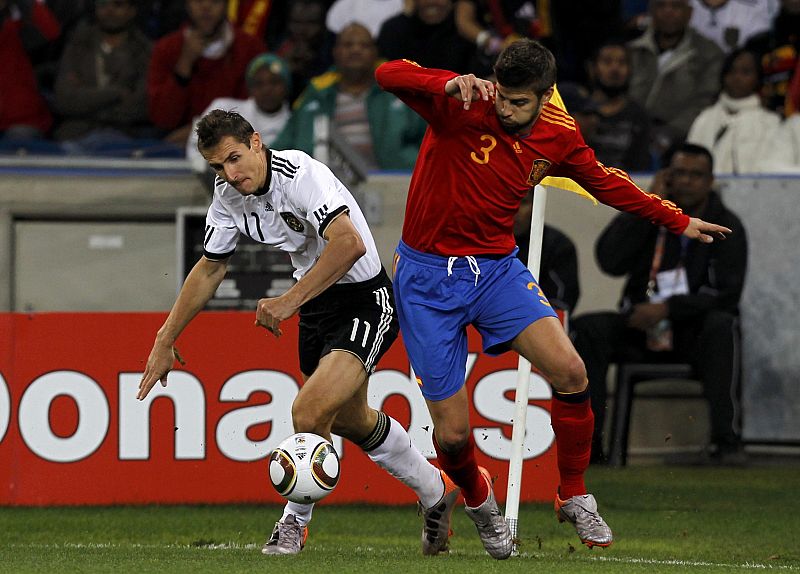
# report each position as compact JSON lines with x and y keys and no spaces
{"x":564,"y":182}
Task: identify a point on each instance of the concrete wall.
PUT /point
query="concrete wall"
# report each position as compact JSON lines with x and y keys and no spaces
{"x":91,"y":235}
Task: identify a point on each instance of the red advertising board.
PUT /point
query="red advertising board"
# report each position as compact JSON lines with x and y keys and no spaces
{"x":72,"y":431}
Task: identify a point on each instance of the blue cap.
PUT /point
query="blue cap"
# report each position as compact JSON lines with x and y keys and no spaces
{"x":275,"y":64}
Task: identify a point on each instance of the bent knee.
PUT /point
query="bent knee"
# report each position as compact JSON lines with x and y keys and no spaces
{"x":570,"y":377}
{"x":452,"y":440}
{"x":306,"y":417}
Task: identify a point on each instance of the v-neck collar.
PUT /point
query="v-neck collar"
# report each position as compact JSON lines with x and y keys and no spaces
{"x":265,"y":188}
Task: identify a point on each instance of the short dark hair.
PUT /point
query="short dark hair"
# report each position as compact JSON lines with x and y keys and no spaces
{"x":727,"y":66}
{"x":610,"y":42}
{"x":692,"y":149}
{"x":526,"y":64}
{"x":218,"y":124}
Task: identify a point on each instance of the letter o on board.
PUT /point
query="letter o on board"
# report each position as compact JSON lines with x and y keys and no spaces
{"x":34,"y":416}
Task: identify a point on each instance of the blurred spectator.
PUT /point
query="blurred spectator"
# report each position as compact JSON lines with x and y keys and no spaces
{"x":23,"y":111}
{"x":492,"y":24}
{"x":579,"y":28}
{"x":427,"y":36}
{"x":269,"y":82}
{"x":308,"y":45}
{"x":384,"y":132}
{"x":635,"y":17}
{"x":45,"y":53}
{"x":730,"y":23}
{"x":370,"y":13}
{"x":680,"y":302}
{"x":251,"y":16}
{"x":792,"y":105}
{"x":265,"y":19}
{"x":558,"y":268}
{"x":205,"y":59}
{"x":581,"y":107}
{"x":783,"y":153}
{"x":101,"y":90}
{"x":675,"y":72}
{"x":737,"y":128}
{"x":622,"y":135}
{"x":157,"y":18}
{"x":777,"y":49}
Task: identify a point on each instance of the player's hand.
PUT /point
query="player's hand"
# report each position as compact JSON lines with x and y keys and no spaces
{"x":645,"y":315}
{"x":159,"y":364}
{"x":469,"y":88}
{"x":271,"y":311}
{"x":704,"y":231}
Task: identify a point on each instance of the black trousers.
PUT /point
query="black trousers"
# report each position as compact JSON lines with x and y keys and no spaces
{"x":710,"y":343}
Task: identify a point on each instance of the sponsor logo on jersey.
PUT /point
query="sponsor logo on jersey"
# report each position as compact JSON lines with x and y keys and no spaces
{"x":538,"y":171}
{"x":268,"y":206}
{"x":292,"y":221}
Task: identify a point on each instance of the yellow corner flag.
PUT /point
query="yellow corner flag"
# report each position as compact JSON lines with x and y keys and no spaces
{"x":564,"y":182}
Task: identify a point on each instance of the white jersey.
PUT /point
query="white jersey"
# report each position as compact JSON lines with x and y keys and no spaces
{"x":303,"y":197}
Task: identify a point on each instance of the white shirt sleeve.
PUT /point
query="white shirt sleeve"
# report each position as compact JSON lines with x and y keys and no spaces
{"x":221,"y":234}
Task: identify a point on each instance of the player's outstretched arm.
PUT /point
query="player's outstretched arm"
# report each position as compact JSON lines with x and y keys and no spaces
{"x":199,"y":287}
{"x":469,"y":88}
{"x":704,"y":231}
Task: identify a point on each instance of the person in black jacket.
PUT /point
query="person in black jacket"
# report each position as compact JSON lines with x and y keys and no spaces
{"x":680,"y":302}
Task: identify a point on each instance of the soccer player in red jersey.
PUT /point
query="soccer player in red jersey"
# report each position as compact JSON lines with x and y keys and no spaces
{"x":486,"y":145}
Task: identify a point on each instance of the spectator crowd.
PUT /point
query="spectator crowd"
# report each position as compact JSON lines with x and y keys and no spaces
{"x":131,"y":77}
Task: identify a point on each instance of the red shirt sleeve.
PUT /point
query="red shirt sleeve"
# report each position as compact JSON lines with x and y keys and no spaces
{"x":421,"y":89}
{"x":614,"y":187}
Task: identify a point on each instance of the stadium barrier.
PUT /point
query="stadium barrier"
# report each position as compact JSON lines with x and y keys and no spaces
{"x":73,"y":433}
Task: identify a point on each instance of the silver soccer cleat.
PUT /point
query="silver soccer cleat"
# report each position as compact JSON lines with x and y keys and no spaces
{"x":492,"y":528}
{"x":581,"y":512}
{"x":287,"y":537}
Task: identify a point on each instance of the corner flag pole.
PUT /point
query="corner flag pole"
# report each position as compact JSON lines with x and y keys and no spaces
{"x":524,"y":376}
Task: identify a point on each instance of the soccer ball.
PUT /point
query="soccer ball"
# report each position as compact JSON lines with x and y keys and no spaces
{"x":304,"y":468}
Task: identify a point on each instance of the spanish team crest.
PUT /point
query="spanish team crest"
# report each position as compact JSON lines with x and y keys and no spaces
{"x":538,"y":171}
{"x":292,"y":221}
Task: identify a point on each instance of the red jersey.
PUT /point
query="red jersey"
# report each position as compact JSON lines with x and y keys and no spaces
{"x":173,"y":104}
{"x":471,"y":175}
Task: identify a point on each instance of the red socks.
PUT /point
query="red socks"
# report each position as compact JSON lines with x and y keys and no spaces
{"x":463,"y":470}
{"x":572,"y":420}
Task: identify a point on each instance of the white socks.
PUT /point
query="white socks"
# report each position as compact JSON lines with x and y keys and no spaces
{"x":397,"y":456}
{"x":301,"y":511}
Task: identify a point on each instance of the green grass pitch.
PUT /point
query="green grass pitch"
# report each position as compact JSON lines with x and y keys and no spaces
{"x":665,"y":519}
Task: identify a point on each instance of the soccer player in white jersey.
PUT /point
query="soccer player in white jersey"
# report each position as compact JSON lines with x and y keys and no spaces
{"x":291,"y":201}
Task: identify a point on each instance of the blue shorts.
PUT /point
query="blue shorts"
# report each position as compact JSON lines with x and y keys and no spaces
{"x":437,"y":297}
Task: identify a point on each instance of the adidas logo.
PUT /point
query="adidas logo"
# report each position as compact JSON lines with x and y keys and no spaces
{"x":301,"y":455}
{"x":269,"y":206}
